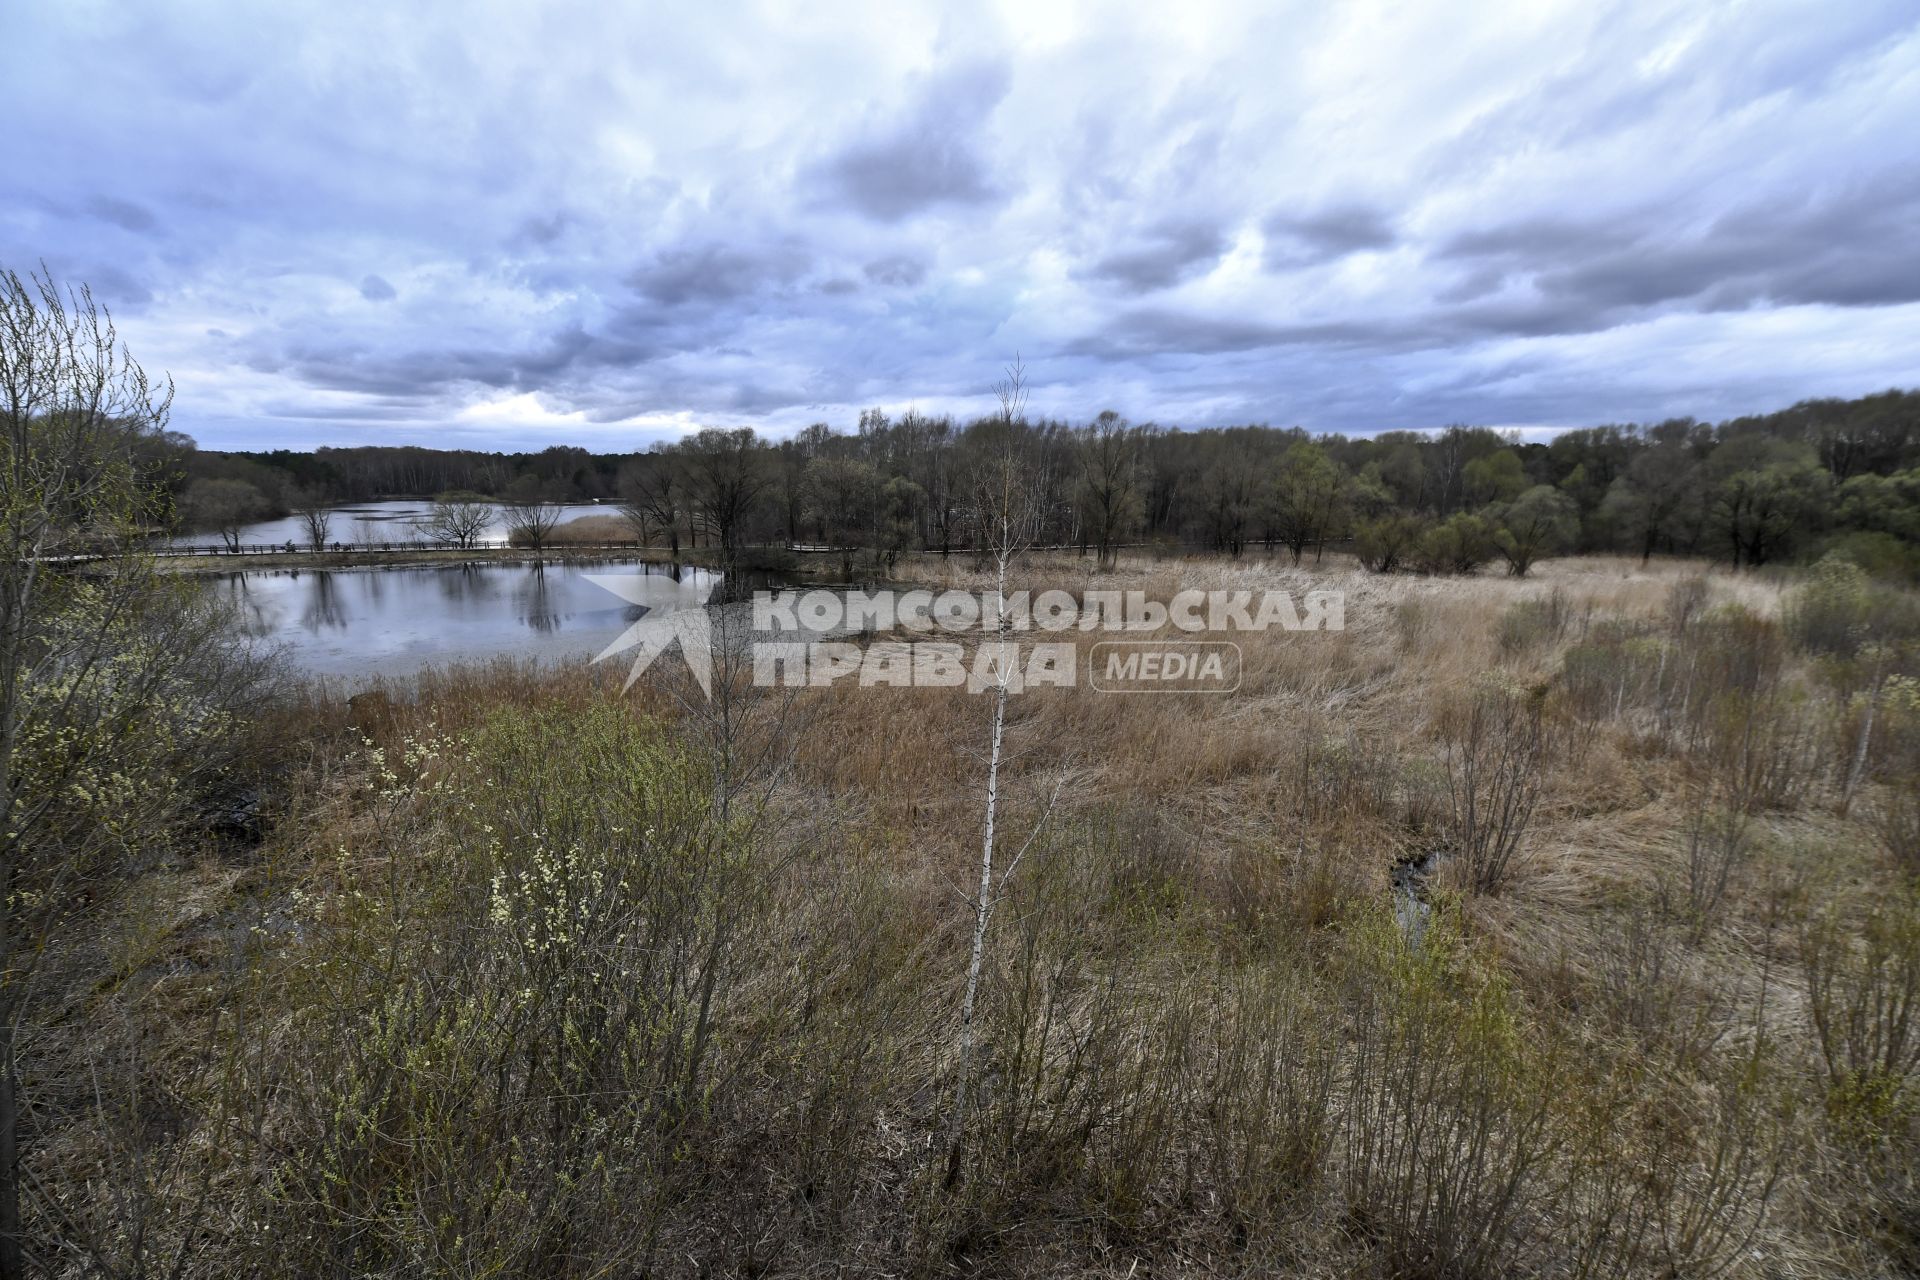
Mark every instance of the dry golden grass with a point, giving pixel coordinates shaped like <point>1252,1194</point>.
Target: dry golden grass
<point>1207,846</point>
<point>1228,763</point>
<point>1607,844</point>
<point>592,529</point>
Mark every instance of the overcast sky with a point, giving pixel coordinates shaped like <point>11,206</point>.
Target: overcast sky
<point>522,224</point>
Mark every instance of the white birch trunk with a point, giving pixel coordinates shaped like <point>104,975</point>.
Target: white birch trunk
<point>983,902</point>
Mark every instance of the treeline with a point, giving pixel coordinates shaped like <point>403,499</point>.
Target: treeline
<point>1822,475</point>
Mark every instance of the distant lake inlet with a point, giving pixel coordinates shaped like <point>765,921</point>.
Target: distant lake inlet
<point>363,623</point>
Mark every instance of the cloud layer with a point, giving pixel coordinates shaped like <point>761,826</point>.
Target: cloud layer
<point>521,225</point>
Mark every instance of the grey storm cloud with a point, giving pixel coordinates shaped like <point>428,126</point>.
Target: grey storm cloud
<point>1151,331</point>
<point>1850,247</point>
<point>122,213</point>
<point>898,270</point>
<point>1534,239</point>
<point>718,272</point>
<point>545,229</point>
<point>382,373</point>
<point>638,223</point>
<point>1163,257</point>
<point>934,158</point>
<point>1301,239</point>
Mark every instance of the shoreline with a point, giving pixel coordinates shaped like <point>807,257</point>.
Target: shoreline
<point>209,565</point>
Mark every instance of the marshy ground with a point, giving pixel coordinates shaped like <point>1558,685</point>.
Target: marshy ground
<point>516,974</point>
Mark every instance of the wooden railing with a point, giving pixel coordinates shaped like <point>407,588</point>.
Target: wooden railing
<point>220,550</point>
<point>379,548</point>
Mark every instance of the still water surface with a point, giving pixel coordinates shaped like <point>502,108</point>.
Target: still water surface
<point>398,522</point>
<point>360,623</point>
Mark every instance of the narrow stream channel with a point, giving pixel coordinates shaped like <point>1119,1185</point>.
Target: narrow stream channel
<point>1410,905</point>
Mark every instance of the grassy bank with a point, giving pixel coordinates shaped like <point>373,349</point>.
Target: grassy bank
<point>515,974</point>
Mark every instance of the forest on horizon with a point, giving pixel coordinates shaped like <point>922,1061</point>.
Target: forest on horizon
<point>1821,475</point>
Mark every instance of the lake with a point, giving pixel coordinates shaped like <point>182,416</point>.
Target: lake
<point>395,521</point>
<point>358,623</point>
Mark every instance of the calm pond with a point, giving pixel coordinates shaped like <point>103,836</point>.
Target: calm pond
<point>360,623</point>
<point>396,522</point>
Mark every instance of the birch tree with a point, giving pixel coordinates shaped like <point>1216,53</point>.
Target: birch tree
<point>1008,511</point>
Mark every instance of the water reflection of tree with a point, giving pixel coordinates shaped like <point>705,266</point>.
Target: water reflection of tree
<point>324,607</point>
<point>466,583</point>
<point>534,595</point>
<point>249,611</point>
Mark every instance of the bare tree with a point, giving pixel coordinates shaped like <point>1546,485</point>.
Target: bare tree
<point>1229,491</point>
<point>458,520</point>
<point>531,515</point>
<point>1109,456</point>
<point>653,499</point>
<point>943,502</point>
<point>725,479</point>
<point>843,497</point>
<point>316,519</point>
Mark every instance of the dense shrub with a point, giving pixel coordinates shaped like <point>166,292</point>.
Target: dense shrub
<point>1450,1128</point>
<point>1388,543</point>
<point>1839,610</point>
<point>541,1007</point>
<point>1459,544</point>
<point>1863,999</point>
<point>1829,613</point>
<point>1880,554</point>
